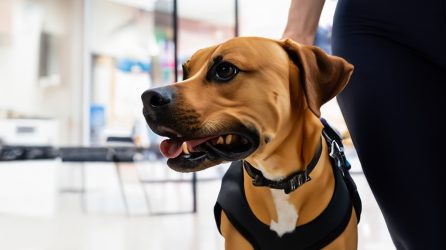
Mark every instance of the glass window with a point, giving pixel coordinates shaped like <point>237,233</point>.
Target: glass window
<point>214,23</point>
<point>132,49</point>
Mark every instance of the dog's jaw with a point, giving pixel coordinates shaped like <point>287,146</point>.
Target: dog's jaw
<point>194,150</point>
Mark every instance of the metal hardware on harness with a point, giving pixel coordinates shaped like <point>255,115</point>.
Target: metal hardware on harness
<point>336,148</point>
<point>336,153</point>
<point>338,156</point>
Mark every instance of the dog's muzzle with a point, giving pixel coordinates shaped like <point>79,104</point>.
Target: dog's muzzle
<point>191,145</point>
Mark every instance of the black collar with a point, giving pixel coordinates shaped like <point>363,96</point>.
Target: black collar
<point>291,182</point>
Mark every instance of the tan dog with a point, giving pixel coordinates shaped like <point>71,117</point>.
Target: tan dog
<point>257,100</point>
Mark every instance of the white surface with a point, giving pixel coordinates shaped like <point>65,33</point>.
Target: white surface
<point>28,190</point>
<point>29,132</point>
<point>20,90</point>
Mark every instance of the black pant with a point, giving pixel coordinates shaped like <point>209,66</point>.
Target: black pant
<point>394,105</point>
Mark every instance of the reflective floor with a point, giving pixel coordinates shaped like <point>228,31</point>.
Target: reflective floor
<point>43,207</point>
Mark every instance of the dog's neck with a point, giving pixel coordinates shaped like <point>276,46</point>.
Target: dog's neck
<point>290,150</point>
<point>284,155</point>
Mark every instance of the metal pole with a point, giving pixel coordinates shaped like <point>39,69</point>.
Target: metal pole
<point>236,11</point>
<point>194,192</point>
<point>175,38</point>
<point>86,73</point>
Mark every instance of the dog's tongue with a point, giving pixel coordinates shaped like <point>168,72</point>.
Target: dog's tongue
<point>172,149</point>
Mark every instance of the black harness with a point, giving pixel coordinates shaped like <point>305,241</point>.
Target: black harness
<point>312,235</point>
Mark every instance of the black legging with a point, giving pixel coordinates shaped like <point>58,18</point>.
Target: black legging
<point>394,105</point>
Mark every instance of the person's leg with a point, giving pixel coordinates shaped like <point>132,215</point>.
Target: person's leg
<point>393,107</point>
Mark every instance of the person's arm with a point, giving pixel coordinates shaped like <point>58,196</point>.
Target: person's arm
<point>303,18</point>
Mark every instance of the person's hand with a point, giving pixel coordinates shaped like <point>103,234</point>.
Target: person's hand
<point>303,39</point>
<point>303,18</point>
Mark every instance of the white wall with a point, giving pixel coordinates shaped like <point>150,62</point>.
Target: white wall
<point>18,59</point>
<point>20,90</point>
<point>268,18</point>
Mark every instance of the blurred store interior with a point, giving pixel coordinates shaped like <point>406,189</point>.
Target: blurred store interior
<point>79,168</point>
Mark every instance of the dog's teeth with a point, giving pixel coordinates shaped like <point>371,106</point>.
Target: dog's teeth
<point>220,140</point>
<point>185,149</point>
<point>228,139</point>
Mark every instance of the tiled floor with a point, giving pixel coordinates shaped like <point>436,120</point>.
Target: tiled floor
<point>41,208</point>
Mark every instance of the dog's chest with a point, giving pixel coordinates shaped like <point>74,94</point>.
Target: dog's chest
<point>286,213</point>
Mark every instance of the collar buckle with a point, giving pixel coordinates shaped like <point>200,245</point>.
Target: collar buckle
<point>297,181</point>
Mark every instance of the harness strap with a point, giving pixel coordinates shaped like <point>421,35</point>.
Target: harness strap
<point>338,159</point>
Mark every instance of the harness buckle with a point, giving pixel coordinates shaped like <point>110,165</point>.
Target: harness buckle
<point>338,155</point>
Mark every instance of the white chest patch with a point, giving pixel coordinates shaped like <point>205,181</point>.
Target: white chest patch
<point>286,213</point>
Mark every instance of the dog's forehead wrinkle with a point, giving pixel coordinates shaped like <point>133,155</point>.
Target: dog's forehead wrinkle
<point>217,58</point>
<point>200,58</point>
<point>238,59</point>
<point>244,54</point>
<point>251,56</point>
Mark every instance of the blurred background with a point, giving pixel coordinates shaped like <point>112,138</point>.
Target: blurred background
<point>79,169</point>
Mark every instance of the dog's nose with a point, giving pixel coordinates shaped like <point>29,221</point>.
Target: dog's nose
<point>156,98</point>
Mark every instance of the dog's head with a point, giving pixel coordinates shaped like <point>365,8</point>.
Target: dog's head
<point>236,96</point>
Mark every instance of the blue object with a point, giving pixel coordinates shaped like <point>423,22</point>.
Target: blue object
<point>128,65</point>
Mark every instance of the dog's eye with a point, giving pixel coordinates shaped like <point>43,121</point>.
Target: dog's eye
<point>224,72</point>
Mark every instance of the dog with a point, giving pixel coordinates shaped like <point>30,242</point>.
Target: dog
<point>256,102</point>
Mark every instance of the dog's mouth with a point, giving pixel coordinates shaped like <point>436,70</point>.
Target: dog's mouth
<point>194,154</point>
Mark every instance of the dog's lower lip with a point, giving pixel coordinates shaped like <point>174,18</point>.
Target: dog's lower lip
<point>185,163</point>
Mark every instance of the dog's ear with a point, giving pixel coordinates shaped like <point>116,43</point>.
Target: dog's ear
<point>323,76</point>
<point>186,69</point>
